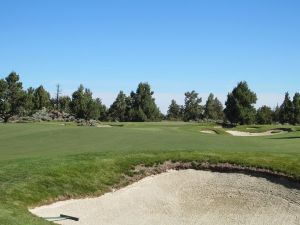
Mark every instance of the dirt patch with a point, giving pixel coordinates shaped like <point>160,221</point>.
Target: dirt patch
<point>249,134</point>
<point>186,197</point>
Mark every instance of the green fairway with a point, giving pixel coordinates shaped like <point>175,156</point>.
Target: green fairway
<point>42,162</point>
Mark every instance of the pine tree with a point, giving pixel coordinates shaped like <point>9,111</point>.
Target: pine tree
<point>264,115</point>
<point>12,97</point>
<point>213,109</point>
<point>239,105</point>
<point>117,110</point>
<point>174,111</point>
<point>64,103</point>
<point>41,98</point>
<point>192,108</point>
<point>286,114</point>
<point>83,105</point>
<point>296,104</point>
<point>275,114</point>
<point>29,101</point>
<point>143,104</point>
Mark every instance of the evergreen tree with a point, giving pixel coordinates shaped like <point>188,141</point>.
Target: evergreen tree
<point>275,114</point>
<point>264,115</point>
<point>12,97</point>
<point>296,104</point>
<point>213,108</point>
<point>29,101</point>
<point>239,105</point>
<point>81,100</point>
<point>64,103</point>
<point>174,111</point>
<point>94,108</point>
<point>192,109</point>
<point>144,107</point>
<point>101,108</point>
<point>83,105</point>
<point>117,110</point>
<point>139,115</point>
<point>41,98</point>
<point>129,112</point>
<point>286,114</point>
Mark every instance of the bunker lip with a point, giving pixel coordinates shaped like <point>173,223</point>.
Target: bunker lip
<point>208,131</point>
<point>141,171</point>
<point>233,197</point>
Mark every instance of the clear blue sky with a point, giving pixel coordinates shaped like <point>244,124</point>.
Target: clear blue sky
<point>176,46</point>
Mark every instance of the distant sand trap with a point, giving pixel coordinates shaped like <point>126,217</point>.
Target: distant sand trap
<point>186,197</point>
<point>103,125</point>
<point>208,132</point>
<point>247,134</point>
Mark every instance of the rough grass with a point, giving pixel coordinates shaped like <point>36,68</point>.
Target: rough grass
<point>40,163</point>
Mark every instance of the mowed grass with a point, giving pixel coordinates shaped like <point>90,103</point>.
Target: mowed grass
<point>42,162</point>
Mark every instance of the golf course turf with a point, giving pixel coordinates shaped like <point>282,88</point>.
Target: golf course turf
<point>44,162</point>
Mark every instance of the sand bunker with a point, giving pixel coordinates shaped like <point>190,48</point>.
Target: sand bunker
<point>186,197</point>
<point>208,131</point>
<point>247,134</point>
<point>103,125</point>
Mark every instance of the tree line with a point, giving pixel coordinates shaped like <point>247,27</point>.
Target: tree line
<point>239,108</point>
<point>140,105</point>
<point>15,101</point>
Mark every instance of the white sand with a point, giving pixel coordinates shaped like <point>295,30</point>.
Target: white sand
<point>247,134</point>
<point>103,125</point>
<point>208,131</point>
<point>186,197</point>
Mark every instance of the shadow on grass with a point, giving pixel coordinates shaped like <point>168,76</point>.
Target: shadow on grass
<point>280,138</point>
